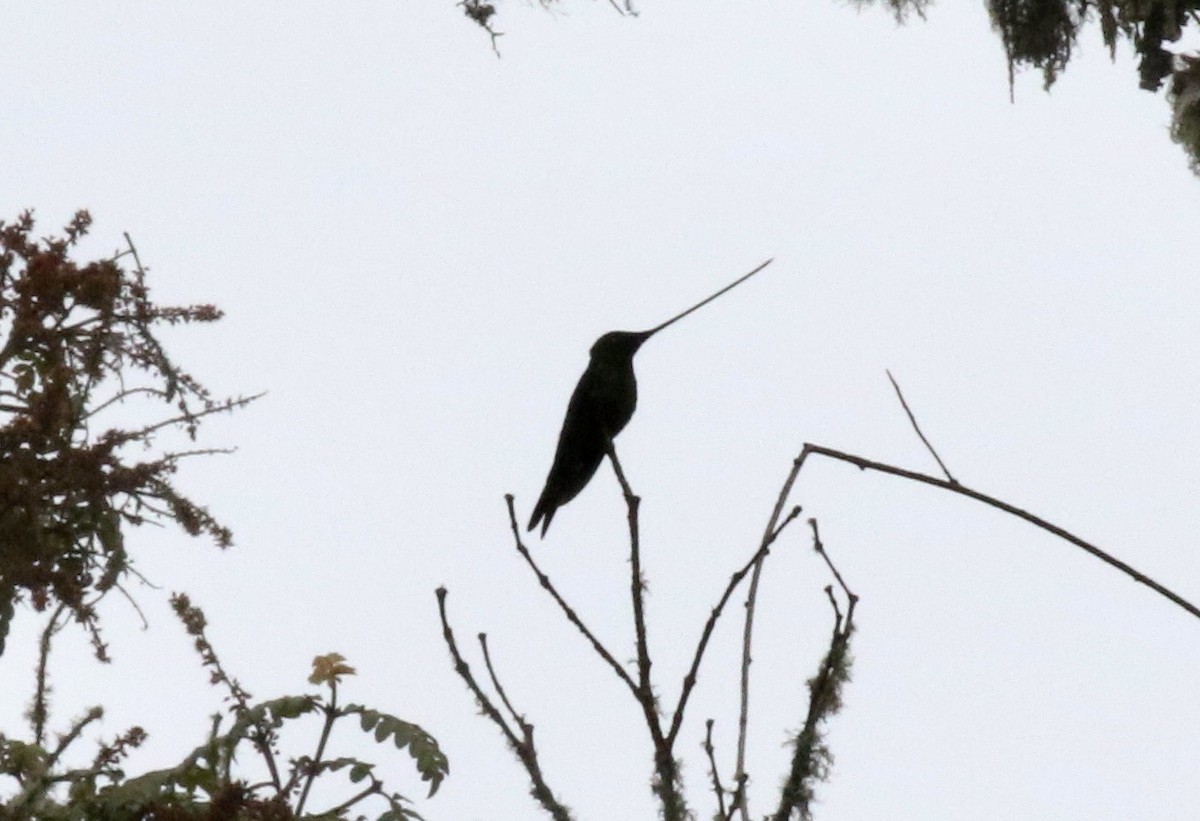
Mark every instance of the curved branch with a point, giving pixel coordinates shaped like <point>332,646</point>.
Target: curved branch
<point>954,487</point>
<point>569,611</point>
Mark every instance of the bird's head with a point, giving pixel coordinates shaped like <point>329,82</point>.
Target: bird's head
<point>618,345</point>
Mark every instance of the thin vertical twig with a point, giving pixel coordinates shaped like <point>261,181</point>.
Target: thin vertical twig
<point>39,709</point>
<point>819,548</point>
<point>713,772</point>
<point>487,660</point>
<point>917,428</point>
<point>331,714</point>
<point>689,680</point>
<point>740,774</point>
<point>637,584</point>
<point>811,756</point>
<point>666,783</point>
<point>522,746</point>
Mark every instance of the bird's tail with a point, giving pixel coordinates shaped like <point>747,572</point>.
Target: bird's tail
<point>542,512</point>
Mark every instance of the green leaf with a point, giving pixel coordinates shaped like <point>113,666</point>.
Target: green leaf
<point>269,715</point>
<point>360,771</point>
<point>432,763</point>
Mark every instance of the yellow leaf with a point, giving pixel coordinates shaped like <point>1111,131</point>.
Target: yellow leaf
<point>329,669</point>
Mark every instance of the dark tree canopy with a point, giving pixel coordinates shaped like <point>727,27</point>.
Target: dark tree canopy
<point>1042,33</point>
<point>95,417</point>
<point>78,350</point>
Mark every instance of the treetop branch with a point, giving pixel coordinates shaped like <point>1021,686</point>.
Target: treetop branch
<point>955,487</point>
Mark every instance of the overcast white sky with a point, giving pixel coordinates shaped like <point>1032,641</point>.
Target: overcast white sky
<point>416,244</point>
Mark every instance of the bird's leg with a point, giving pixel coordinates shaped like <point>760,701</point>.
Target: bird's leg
<point>611,449</point>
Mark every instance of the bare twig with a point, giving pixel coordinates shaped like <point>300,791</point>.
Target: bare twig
<point>666,782</point>
<point>262,736</point>
<point>35,787</point>
<point>837,609</point>
<point>868,464</point>
<point>482,12</point>
<point>522,747</point>
<point>137,261</point>
<point>769,534</point>
<point>518,718</point>
<point>122,395</point>
<point>811,757</point>
<point>917,428</point>
<point>331,714</point>
<point>188,417</point>
<point>819,547</point>
<point>487,660</point>
<point>637,584</point>
<point>569,611</point>
<point>39,709</point>
<point>133,602</point>
<point>713,772</point>
<point>689,680</point>
<point>737,800</point>
<point>375,787</point>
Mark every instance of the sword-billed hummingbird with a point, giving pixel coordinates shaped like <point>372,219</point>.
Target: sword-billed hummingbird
<point>600,407</point>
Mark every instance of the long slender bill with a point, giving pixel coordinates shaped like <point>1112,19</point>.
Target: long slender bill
<point>701,304</point>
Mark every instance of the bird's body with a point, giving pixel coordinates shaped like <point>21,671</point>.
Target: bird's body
<point>600,408</point>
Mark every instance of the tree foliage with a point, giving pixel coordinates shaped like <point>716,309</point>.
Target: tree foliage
<point>209,783</point>
<point>92,411</point>
<point>80,343</point>
<point>1041,34</point>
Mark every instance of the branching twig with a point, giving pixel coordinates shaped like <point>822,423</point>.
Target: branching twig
<point>187,417</point>
<point>689,681</point>
<point>868,464</point>
<point>262,737</point>
<point>375,787</point>
<point>917,428</point>
<point>819,548</point>
<point>122,395</point>
<point>569,611</point>
<point>737,800</point>
<point>39,710</point>
<point>637,584</point>
<point>36,787</point>
<point>526,729</point>
<point>137,608</point>
<point>666,782</point>
<point>811,758</point>
<point>482,14</point>
<point>713,772</point>
<point>769,534</point>
<point>522,747</point>
<point>331,715</point>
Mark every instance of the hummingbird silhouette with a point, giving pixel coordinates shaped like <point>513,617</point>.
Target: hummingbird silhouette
<point>601,406</point>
